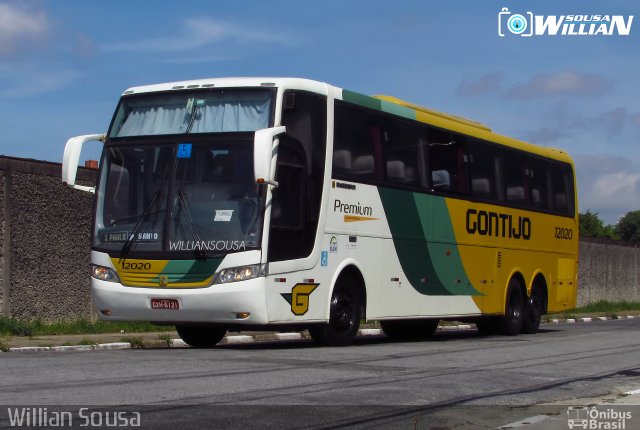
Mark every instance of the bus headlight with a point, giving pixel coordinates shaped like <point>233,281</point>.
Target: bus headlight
<point>241,273</point>
<point>104,273</point>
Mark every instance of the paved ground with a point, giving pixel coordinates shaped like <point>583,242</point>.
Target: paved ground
<point>457,380</point>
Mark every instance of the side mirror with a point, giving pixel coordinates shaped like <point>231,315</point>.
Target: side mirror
<point>264,152</point>
<point>71,159</point>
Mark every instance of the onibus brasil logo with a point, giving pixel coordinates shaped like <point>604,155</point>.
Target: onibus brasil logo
<point>529,24</point>
<point>583,417</point>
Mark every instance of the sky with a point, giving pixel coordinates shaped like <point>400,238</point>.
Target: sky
<point>64,64</point>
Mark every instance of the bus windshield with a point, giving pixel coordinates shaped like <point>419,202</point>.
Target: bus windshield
<point>184,198</point>
<point>212,111</point>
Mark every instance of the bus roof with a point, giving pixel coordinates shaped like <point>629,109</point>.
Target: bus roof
<point>383,103</point>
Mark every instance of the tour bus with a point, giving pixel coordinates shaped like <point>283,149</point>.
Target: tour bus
<point>290,204</point>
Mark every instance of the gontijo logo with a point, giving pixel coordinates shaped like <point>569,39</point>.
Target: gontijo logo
<point>529,24</point>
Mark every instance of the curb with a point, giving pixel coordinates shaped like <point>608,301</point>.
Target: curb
<point>73,348</point>
<point>246,339</point>
<point>590,319</point>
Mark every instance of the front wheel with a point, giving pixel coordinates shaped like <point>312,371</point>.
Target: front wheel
<point>344,317</point>
<point>200,336</point>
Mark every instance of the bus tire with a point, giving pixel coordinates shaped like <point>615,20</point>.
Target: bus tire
<point>345,313</point>
<point>200,336</point>
<point>409,329</point>
<point>511,322</point>
<point>533,311</point>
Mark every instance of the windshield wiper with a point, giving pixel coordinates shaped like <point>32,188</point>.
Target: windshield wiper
<point>126,248</point>
<point>200,254</point>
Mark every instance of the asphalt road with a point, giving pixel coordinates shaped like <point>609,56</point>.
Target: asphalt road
<point>457,380</point>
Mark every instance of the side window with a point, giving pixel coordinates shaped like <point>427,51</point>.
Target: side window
<point>516,178</point>
<point>404,153</point>
<point>540,196</point>
<point>447,161</point>
<point>358,145</point>
<point>483,168</point>
<point>562,183</point>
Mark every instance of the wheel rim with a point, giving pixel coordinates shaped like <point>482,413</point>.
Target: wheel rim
<point>342,312</point>
<point>535,306</point>
<point>515,306</point>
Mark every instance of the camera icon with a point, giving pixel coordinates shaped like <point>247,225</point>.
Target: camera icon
<point>516,23</point>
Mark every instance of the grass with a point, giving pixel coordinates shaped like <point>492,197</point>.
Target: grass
<point>4,347</point>
<point>13,327</point>
<point>608,307</point>
<point>166,338</point>
<point>601,308</point>
<point>136,342</point>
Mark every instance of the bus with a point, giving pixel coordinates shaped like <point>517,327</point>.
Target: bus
<point>290,204</point>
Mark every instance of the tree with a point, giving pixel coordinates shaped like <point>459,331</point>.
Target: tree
<point>628,228</point>
<point>591,225</point>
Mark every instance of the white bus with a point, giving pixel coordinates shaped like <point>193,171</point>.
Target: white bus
<point>271,203</point>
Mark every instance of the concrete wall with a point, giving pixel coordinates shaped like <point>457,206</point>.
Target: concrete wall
<point>608,270</point>
<point>46,229</point>
<point>44,242</point>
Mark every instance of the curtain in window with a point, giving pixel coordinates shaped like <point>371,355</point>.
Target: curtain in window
<point>222,113</point>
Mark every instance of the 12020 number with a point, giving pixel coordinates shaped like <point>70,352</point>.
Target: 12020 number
<point>564,233</point>
<point>127,265</point>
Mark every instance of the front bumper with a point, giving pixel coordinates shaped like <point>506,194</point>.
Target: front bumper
<point>218,304</point>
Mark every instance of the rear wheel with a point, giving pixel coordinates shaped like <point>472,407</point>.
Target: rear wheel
<point>511,322</point>
<point>409,329</point>
<point>533,311</point>
<point>200,336</point>
<point>344,317</point>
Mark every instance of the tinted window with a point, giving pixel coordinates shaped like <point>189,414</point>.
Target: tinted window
<point>447,161</point>
<point>483,166</point>
<point>516,177</point>
<point>562,185</point>
<point>357,143</point>
<point>405,150</point>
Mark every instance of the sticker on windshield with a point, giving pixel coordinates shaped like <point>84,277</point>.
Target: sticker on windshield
<point>223,215</point>
<point>116,236</point>
<point>184,150</point>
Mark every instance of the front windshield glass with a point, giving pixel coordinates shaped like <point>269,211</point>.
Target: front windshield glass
<point>191,198</point>
<point>212,111</point>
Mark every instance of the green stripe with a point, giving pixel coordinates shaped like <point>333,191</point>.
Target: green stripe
<point>184,271</point>
<point>432,268</point>
<point>377,104</point>
<point>361,99</point>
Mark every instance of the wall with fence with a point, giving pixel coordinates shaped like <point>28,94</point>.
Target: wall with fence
<point>44,242</point>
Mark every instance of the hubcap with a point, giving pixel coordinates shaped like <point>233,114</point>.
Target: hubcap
<point>514,305</point>
<point>535,305</point>
<point>342,312</point>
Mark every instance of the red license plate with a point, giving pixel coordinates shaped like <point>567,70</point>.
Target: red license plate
<point>172,304</point>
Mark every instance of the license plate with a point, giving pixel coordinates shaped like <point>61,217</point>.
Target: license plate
<point>172,304</point>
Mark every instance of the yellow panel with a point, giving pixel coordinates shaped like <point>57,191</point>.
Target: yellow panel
<point>566,268</point>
